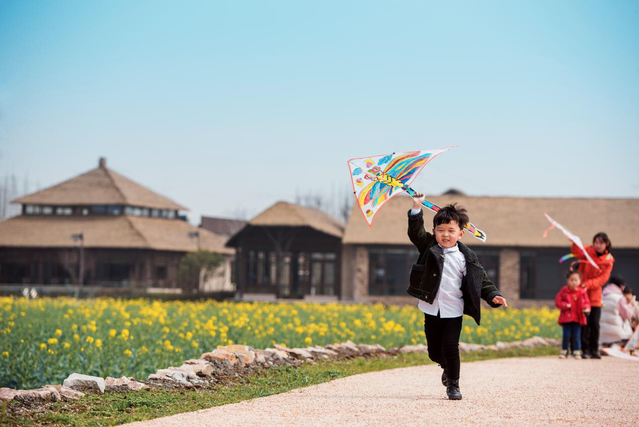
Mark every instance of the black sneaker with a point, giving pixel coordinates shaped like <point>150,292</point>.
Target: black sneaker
<point>452,390</point>
<point>444,378</point>
<point>595,355</point>
<point>586,355</point>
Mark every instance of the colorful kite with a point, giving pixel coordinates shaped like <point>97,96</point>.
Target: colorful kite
<point>376,179</point>
<point>575,239</point>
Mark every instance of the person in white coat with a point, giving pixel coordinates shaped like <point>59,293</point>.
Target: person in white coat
<point>615,314</point>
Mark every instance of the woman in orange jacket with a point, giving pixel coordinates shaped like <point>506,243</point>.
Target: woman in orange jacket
<point>593,280</point>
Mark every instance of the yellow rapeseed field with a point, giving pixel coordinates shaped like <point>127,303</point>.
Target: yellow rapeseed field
<point>42,341</point>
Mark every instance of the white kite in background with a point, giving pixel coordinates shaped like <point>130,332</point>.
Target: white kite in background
<point>575,239</point>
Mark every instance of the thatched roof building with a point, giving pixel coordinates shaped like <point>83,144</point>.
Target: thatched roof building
<point>289,251</point>
<point>128,235</point>
<point>518,258</point>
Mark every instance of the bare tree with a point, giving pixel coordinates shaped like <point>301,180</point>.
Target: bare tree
<point>337,204</point>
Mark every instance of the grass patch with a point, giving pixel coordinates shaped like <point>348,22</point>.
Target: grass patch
<point>119,408</point>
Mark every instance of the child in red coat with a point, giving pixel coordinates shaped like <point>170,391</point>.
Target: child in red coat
<point>573,302</point>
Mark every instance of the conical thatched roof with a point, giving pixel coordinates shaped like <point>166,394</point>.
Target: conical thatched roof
<point>284,214</point>
<point>100,186</point>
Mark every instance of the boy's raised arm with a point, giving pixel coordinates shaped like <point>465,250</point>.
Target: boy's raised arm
<point>416,232</point>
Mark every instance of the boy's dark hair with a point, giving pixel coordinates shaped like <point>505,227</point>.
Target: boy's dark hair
<point>571,272</point>
<point>628,290</point>
<point>450,213</point>
<point>604,238</point>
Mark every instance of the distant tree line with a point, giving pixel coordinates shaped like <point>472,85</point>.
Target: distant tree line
<point>10,190</point>
<point>338,203</point>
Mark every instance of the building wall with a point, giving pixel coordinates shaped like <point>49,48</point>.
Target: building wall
<point>221,279</point>
<point>538,266</point>
<point>509,275</point>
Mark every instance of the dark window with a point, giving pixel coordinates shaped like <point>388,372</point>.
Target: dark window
<point>115,210</point>
<point>627,266</point>
<point>489,259</point>
<point>251,271</point>
<point>541,274</point>
<point>389,269</point>
<point>285,275</point>
<point>14,273</point>
<point>113,273</point>
<point>160,272</point>
<point>322,273</point>
<point>98,209</point>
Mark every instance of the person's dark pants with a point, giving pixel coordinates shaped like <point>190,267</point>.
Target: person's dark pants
<point>442,337</point>
<point>590,332</point>
<point>572,336</point>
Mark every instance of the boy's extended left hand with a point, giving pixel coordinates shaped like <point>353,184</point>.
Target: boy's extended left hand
<point>500,300</point>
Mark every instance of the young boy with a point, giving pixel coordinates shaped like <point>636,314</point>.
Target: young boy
<point>448,280</point>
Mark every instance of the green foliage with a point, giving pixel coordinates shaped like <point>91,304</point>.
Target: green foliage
<point>195,264</point>
<point>44,340</point>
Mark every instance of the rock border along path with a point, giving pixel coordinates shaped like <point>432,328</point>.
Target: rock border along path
<point>498,392</point>
<point>234,360</point>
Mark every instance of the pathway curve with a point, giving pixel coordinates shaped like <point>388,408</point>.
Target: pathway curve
<point>501,392</point>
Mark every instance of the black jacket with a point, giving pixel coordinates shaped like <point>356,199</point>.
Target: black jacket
<point>425,275</point>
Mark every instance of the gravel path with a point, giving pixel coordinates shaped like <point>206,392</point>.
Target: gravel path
<point>502,392</point>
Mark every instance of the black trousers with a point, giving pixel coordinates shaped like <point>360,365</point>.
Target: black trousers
<point>590,331</point>
<point>442,337</point>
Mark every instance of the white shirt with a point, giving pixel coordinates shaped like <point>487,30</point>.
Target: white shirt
<point>449,300</point>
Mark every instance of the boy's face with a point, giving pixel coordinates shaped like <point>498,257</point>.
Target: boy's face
<point>448,234</point>
<point>574,281</point>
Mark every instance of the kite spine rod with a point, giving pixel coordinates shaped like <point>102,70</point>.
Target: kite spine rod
<point>476,232</point>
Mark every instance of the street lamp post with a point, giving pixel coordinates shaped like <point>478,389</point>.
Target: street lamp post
<point>80,238</point>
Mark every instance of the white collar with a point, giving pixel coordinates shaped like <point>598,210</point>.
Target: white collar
<point>450,250</point>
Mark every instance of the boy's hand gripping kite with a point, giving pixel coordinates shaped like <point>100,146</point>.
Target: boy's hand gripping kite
<point>376,179</point>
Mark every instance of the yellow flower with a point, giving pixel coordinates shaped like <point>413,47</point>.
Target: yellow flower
<point>52,341</point>
<point>128,352</point>
<point>66,345</point>
<point>5,353</point>
<point>113,333</point>
<point>43,346</point>
<point>98,343</point>
<point>194,344</point>
<point>58,332</point>
<point>76,337</point>
<point>125,334</point>
<point>308,340</point>
<point>89,339</point>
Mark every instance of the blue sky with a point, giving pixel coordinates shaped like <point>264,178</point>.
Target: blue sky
<point>231,106</point>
